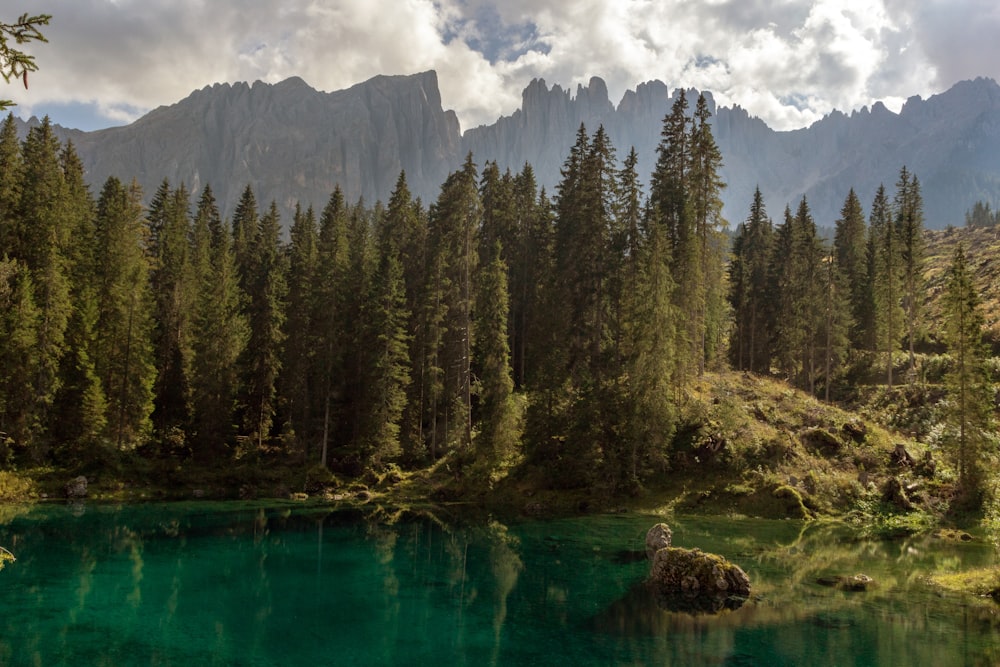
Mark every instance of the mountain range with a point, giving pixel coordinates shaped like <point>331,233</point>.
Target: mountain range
<point>292,143</point>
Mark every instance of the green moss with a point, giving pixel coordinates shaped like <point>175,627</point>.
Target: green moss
<point>981,582</point>
<point>794,505</point>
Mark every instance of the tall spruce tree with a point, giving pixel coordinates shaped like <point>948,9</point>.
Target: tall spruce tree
<point>123,354</point>
<point>80,413</point>
<point>174,291</point>
<point>909,225</point>
<point>41,240</point>
<point>455,219</point>
<point>220,333</point>
<point>750,296</point>
<point>386,369</point>
<point>709,316</point>
<point>19,325</point>
<point>265,312</point>
<point>330,321</point>
<point>407,230</point>
<point>11,175</point>
<point>498,428</point>
<point>886,279</point>
<point>850,245</point>
<point>969,410</point>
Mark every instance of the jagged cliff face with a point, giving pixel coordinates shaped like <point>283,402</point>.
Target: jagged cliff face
<point>289,141</point>
<point>295,144</point>
<point>950,141</point>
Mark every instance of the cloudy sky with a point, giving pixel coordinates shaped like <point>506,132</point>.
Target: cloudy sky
<point>787,61</point>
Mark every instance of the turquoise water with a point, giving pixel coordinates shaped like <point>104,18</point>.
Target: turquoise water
<point>249,584</point>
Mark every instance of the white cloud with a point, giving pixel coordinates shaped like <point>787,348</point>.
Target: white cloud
<point>789,62</point>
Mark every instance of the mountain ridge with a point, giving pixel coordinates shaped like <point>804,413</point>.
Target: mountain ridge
<point>293,143</point>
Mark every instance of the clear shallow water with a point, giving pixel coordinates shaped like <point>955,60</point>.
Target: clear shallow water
<point>244,584</point>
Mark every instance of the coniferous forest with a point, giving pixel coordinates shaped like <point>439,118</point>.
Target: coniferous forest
<point>496,326</point>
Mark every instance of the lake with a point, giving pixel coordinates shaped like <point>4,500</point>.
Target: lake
<point>284,584</point>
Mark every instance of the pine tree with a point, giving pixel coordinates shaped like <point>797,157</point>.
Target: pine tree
<point>407,231</point>
<point>261,361</point>
<point>455,218</point>
<point>529,255</point>
<point>300,333</point>
<point>671,205</point>
<point>850,245</point>
<point>41,239</point>
<point>499,432</point>
<point>11,175</point>
<point>886,279</point>
<point>19,325</point>
<point>220,332</point>
<point>330,319</point>
<point>909,224</point>
<point>245,225</point>
<point>80,411</point>
<point>750,296</point>
<point>836,323</point>
<point>706,186</point>
<point>386,371</point>
<point>174,293</point>
<point>970,405</point>
<point>797,281</point>
<point>123,355</point>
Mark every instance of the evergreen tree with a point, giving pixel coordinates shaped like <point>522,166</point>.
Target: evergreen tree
<point>174,292</point>
<point>529,255</point>
<point>80,412</point>
<point>261,361</point>
<point>671,206</point>
<point>836,323</point>
<point>799,289</point>
<point>455,219</point>
<point>330,319</point>
<point>499,432</point>
<point>11,176</point>
<point>750,297</point>
<point>220,332</point>
<point>300,332</point>
<point>970,405</point>
<point>386,371</point>
<point>41,238</point>
<point>19,325</point>
<point>909,224</point>
<point>710,316</point>
<point>245,226</point>
<point>648,423</point>
<point>407,232</point>
<point>123,355</point>
<point>886,279</point>
<point>850,246</point>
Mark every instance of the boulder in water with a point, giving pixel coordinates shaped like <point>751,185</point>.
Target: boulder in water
<point>692,572</point>
<point>77,487</point>
<point>658,537</point>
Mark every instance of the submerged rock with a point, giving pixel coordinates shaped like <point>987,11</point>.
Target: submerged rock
<point>854,582</point>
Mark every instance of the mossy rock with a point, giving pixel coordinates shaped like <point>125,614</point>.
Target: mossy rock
<point>794,505</point>
<point>853,582</point>
<point>692,572</point>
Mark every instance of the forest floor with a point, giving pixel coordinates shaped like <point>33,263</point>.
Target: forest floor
<point>747,446</point>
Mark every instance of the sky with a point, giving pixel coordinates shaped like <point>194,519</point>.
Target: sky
<point>789,62</point>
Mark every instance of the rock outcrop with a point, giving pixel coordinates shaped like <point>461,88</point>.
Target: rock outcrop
<point>292,143</point>
<point>658,537</point>
<point>77,488</point>
<point>691,580</point>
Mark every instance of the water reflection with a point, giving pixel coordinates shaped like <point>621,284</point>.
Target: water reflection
<point>255,584</point>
